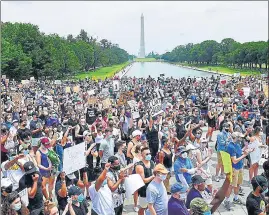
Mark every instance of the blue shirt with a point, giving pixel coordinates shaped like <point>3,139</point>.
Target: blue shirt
<point>183,163</point>
<point>176,206</point>
<point>156,194</point>
<point>235,151</point>
<point>222,141</point>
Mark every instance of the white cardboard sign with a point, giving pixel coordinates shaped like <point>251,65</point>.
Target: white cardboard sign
<point>133,183</point>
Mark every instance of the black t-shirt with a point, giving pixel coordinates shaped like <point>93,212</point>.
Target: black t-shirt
<point>181,131</point>
<point>62,202</point>
<point>23,133</point>
<point>255,205</point>
<point>91,115</point>
<point>37,201</point>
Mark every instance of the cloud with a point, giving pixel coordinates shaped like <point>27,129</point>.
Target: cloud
<point>167,24</point>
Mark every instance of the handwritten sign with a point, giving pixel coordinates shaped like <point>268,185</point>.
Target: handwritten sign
<point>106,103</point>
<point>74,158</point>
<point>155,107</point>
<point>265,90</point>
<point>67,90</point>
<point>76,89</point>
<point>92,100</point>
<point>116,85</point>
<point>24,197</point>
<point>134,109</point>
<point>132,184</point>
<point>57,82</point>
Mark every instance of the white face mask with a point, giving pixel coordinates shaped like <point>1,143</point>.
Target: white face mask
<point>184,155</point>
<point>183,196</point>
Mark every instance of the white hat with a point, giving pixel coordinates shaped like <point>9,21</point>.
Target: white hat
<point>190,147</point>
<point>136,133</point>
<point>237,134</point>
<point>85,133</point>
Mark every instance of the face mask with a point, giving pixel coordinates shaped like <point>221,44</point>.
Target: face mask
<point>227,130</point>
<point>165,128</point>
<point>184,155</point>
<point>148,157</point>
<point>198,136</point>
<point>17,206</point>
<point>183,196</point>
<point>265,191</point>
<point>11,158</point>
<point>117,168</point>
<point>162,177</point>
<point>80,198</point>
<point>25,152</point>
<point>207,213</point>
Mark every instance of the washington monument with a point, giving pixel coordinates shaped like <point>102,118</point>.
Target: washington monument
<point>142,39</point>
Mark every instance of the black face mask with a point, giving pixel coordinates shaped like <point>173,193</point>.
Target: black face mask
<point>117,168</point>
<point>227,130</point>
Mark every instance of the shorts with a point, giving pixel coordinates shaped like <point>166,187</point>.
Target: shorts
<point>35,141</point>
<point>237,177</point>
<point>219,158</point>
<point>142,202</point>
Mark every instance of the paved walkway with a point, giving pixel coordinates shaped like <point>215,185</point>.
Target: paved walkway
<point>236,209</point>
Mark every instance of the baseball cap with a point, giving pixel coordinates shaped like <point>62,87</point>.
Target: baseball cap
<point>160,168</point>
<point>29,168</point>
<point>199,206</point>
<point>240,118</point>
<point>15,120</point>
<point>86,133</point>
<point>74,190</point>
<point>190,147</point>
<point>45,141</point>
<point>181,149</point>
<point>261,181</point>
<point>237,134</point>
<point>177,187</point>
<point>197,179</point>
<point>136,133</point>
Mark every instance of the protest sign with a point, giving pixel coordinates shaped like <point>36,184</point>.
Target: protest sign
<point>246,91</point>
<point>76,89</point>
<point>67,89</point>
<point>237,74</point>
<point>4,76</point>
<point>74,158</point>
<point>57,82</point>
<point>92,100</point>
<point>24,197</point>
<point>265,90</point>
<point>155,107</point>
<point>105,91</point>
<point>116,85</point>
<point>239,86</point>
<point>91,92</point>
<point>134,108</point>
<point>106,103</point>
<point>132,183</point>
<point>32,78</point>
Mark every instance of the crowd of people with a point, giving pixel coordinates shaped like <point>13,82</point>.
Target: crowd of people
<point>166,131</point>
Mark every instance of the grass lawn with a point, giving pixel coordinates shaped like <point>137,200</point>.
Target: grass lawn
<point>102,73</point>
<point>144,59</point>
<point>226,70</point>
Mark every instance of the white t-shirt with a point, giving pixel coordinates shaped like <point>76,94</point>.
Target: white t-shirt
<point>102,201</point>
<point>14,173</point>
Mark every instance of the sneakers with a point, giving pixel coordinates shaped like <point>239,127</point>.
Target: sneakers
<point>217,178</point>
<point>222,176</point>
<point>136,209</point>
<point>241,192</point>
<point>238,202</point>
<point>227,205</point>
<point>124,210</point>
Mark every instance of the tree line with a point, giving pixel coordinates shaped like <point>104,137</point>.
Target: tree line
<point>251,55</point>
<point>28,52</point>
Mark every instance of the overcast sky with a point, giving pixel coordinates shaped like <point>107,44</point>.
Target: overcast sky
<point>167,24</point>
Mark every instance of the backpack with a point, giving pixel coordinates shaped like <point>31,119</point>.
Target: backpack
<point>54,158</point>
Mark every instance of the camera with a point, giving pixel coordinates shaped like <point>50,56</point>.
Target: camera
<point>121,190</point>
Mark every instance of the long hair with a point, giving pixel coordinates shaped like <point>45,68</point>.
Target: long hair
<point>6,207</point>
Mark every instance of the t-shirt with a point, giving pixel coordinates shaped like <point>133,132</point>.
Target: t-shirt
<point>193,193</point>
<point>156,194</point>
<point>176,206</point>
<point>235,151</point>
<point>62,202</point>
<point>107,146</point>
<point>81,210</point>
<point>34,125</point>
<point>255,204</point>
<point>14,173</point>
<point>37,201</point>
<point>102,201</point>
<point>117,198</point>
